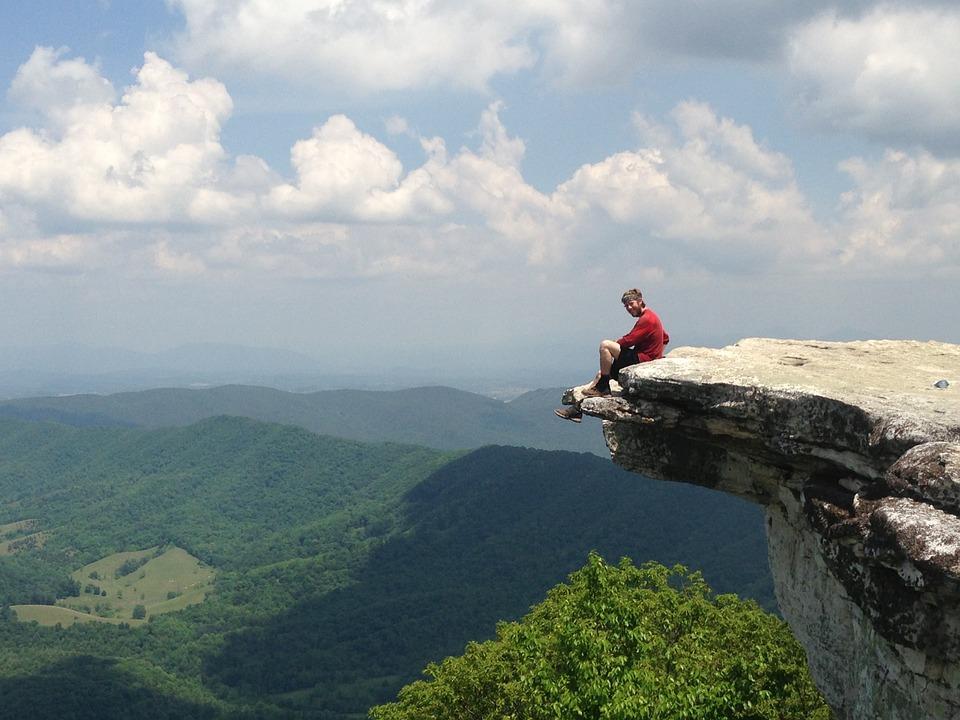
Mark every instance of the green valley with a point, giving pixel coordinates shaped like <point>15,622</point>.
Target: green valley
<point>341,568</point>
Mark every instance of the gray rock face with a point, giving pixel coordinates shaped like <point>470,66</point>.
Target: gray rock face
<point>854,450</point>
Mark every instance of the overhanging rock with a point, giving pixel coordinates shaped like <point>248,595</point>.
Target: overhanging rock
<point>854,450</point>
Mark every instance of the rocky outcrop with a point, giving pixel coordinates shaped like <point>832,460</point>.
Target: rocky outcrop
<point>854,450</point>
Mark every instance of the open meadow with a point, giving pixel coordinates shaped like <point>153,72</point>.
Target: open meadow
<point>128,587</point>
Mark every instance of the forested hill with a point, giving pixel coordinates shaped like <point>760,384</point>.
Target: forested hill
<point>437,417</point>
<point>209,487</point>
<point>342,567</point>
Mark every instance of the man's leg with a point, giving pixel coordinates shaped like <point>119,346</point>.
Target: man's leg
<point>609,352</point>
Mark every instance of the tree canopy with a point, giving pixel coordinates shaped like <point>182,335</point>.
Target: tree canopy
<point>624,643</point>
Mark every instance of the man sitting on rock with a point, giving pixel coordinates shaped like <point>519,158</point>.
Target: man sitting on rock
<point>643,343</point>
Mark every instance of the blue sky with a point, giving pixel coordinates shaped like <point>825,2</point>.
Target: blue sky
<point>432,183</point>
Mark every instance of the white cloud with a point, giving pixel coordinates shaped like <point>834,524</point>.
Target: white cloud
<point>731,144</point>
<point>154,159</point>
<point>706,193</point>
<point>149,183</point>
<point>711,193</point>
<point>891,74</point>
<point>54,253</point>
<point>142,160</point>
<point>24,247</point>
<point>904,212</point>
<point>55,86</point>
<point>340,171</point>
<point>368,46</point>
<point>489,184</point>
<point>582,42</point>
<point>345,174</point>
<point>360,45</point>
<point>497,145</point>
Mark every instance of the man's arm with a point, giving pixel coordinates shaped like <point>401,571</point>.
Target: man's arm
<point>640,330</point>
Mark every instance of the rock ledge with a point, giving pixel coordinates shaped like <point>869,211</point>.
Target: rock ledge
<point>855,453</point>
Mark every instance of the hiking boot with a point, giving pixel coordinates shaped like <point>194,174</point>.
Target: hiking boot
<point>571,413</point>
<point>598,391</point>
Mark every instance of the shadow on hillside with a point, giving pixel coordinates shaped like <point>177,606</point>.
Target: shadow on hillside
<point>491,533</point>
<point>88,687</point>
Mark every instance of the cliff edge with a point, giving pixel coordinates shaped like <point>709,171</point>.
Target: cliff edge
<point>854,450</point>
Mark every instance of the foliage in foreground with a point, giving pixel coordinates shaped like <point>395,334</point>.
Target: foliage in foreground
<point>624,643</point>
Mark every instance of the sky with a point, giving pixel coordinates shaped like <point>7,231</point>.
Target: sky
<point>471,184</point>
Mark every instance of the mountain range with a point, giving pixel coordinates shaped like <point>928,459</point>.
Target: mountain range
<point>72,369</point>
<point>342,567</point>
<point>437,417</point>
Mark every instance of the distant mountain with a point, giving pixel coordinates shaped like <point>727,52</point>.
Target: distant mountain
<point>343,567</point>
<point>71,369</point>
<point>68,369</point>
<point>437,417</point>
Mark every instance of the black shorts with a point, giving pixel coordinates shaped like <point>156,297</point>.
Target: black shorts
<point>627,357</point>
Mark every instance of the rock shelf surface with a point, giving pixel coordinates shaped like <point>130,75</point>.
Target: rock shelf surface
<point>854,450</point>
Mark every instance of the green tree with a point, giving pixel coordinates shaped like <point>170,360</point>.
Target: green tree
<point>624,643</point>
<point>139,612</point>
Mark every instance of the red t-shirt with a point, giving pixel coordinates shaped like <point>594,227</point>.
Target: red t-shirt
<point>647,337</point>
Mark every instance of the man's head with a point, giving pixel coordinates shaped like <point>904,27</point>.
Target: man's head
<point>633,302</point>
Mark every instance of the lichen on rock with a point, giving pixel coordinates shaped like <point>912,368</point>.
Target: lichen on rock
<point>854,450</point>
